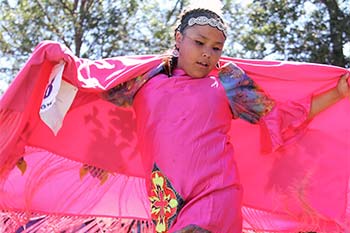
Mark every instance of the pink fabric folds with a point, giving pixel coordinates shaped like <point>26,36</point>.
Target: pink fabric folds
<point>303,185</point>
<point>25,95</point>
<point>95,145</point>
<point>92,167</point>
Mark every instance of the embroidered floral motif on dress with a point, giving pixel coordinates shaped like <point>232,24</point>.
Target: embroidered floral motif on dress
<point>165,201</point>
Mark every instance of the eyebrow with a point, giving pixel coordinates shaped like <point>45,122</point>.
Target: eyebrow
<point>206,38</point>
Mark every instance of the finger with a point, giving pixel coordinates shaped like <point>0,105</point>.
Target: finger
<point>346,77</point>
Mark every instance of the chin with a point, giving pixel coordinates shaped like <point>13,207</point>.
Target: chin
<point>199,74</point>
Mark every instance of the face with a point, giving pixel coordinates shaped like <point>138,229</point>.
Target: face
<point>200,48</point>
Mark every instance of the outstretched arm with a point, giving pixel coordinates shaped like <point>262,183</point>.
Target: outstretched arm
<point>328,98</point>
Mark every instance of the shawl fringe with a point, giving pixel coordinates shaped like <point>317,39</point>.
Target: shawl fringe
<point>21,222</point>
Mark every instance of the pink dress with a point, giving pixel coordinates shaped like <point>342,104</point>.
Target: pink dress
<point>183,125</point>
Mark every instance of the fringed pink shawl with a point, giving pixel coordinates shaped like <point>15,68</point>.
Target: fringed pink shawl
<point>68,158</point>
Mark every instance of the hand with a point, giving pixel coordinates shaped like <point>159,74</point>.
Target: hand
<point>343,86</point>
<point>331,96</point>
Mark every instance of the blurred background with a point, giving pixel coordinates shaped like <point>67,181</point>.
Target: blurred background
<point>315,31</point>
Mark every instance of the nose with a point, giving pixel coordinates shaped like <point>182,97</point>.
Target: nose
<point>206,53</point>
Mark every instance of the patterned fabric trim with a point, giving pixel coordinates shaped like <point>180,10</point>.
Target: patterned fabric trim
<point>123,94</point>
<point>22,165</point>
<point>247,100</point>
<point>39,223</point>
<point>166,203</point>
<point>192,229</point>
<point>95,172</point>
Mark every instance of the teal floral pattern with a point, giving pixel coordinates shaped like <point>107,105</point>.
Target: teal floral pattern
<point>247,100</point>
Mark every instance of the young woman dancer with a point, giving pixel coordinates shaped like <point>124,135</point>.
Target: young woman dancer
<point>59,178</point>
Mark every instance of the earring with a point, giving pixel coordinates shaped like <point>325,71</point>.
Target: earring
<point>175,52</point>
<point>218,65</point>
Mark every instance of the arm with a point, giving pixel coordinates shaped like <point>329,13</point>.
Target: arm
<point>328,98</point>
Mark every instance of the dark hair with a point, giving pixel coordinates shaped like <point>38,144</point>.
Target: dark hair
<point>187,15</point>
<point>171,62</point>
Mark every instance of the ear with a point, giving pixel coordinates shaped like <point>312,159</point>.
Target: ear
<point>178,39</point>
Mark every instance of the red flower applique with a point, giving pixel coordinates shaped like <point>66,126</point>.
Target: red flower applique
<point>165,201</point>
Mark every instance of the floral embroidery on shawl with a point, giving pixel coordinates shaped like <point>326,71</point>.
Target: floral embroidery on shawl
<point>247,100</point>
<point>95,172</point>
<point>22,165</point>
<point>165,201</point>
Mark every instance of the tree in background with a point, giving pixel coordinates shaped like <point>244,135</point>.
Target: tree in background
<point>90,28</point>
<point>300,30</point>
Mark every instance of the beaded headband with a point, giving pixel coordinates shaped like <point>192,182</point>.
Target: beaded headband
<point>203,20</point>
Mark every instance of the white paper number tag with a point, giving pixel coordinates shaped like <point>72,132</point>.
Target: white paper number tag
<point>53,87</point>
<point>58,98</point>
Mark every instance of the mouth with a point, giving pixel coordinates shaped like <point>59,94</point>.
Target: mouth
<point>203,64</point>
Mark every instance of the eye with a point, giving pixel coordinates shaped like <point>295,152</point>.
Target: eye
<point>217,49</point>
<point>199,42</point>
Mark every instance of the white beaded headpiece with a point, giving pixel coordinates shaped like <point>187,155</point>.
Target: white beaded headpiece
<point>203,20</point>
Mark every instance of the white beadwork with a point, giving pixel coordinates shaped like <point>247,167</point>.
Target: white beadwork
<point>203,20</point>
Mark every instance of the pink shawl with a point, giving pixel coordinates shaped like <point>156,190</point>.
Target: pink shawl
<point>303,185</point>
